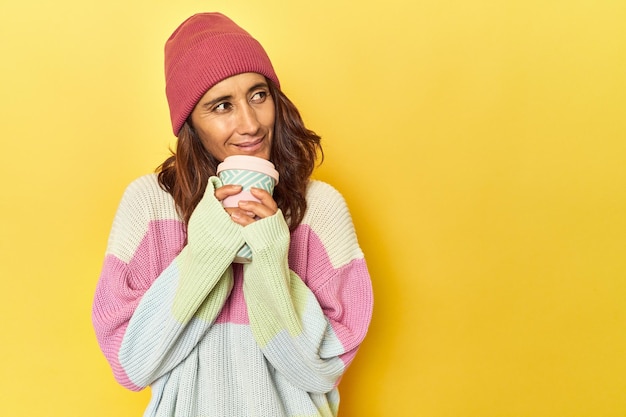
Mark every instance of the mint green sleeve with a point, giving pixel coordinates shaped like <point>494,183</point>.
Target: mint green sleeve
<point>286,319</point>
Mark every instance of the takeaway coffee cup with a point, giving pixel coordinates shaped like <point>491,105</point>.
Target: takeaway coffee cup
<point>249,172</point>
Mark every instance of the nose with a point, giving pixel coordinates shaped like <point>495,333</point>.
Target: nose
<point>247,120</point>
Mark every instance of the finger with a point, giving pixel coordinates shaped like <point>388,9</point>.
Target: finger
<point>265,198</point>
<point>240,217</point>
<point>227,190</point>
<point>259,209</point>
<point>231,210</point>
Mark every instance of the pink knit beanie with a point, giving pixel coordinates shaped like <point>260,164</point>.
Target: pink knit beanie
<point>204,50</point>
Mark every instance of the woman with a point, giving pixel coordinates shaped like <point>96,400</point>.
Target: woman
<point>172,311</point>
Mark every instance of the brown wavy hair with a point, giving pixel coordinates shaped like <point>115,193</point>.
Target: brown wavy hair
<point>295,150</point>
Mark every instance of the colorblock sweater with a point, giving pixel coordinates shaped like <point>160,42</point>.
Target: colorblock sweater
<point>211,338</point>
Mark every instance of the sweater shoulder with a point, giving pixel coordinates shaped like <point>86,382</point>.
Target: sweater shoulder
<point>329,218</point>
<point>320,193</point>
<point>143,203</point>
<point>145,197</point>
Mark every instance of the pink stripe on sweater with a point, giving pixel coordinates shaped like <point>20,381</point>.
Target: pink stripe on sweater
<point>114,304</point>
<point>235,310</point>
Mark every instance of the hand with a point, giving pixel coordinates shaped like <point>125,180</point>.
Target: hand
<point>248,211</point>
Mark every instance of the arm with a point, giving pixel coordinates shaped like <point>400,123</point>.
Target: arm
<point>152,305</point>
<point>309,324</point>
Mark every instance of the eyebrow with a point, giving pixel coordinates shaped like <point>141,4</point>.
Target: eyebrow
<point>216,100</point>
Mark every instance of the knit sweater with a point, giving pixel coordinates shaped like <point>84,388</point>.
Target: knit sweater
<point>211,338</point>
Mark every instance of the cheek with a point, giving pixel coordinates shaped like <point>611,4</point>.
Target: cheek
<point>269,118</point>
<point>213,133</point>
<point>211,143</point>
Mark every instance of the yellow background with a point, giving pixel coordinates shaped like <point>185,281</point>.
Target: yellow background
<point>481,146</point>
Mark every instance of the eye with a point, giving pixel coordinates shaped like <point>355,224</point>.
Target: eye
<point>259,97</point>
<point>222,107</point>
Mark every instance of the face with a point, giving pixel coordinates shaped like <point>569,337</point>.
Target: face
<point>236,117</point>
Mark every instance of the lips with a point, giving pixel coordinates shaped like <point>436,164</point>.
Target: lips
<point>249,145</point>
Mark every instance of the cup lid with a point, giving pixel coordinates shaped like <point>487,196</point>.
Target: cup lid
<point>252,163</point>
